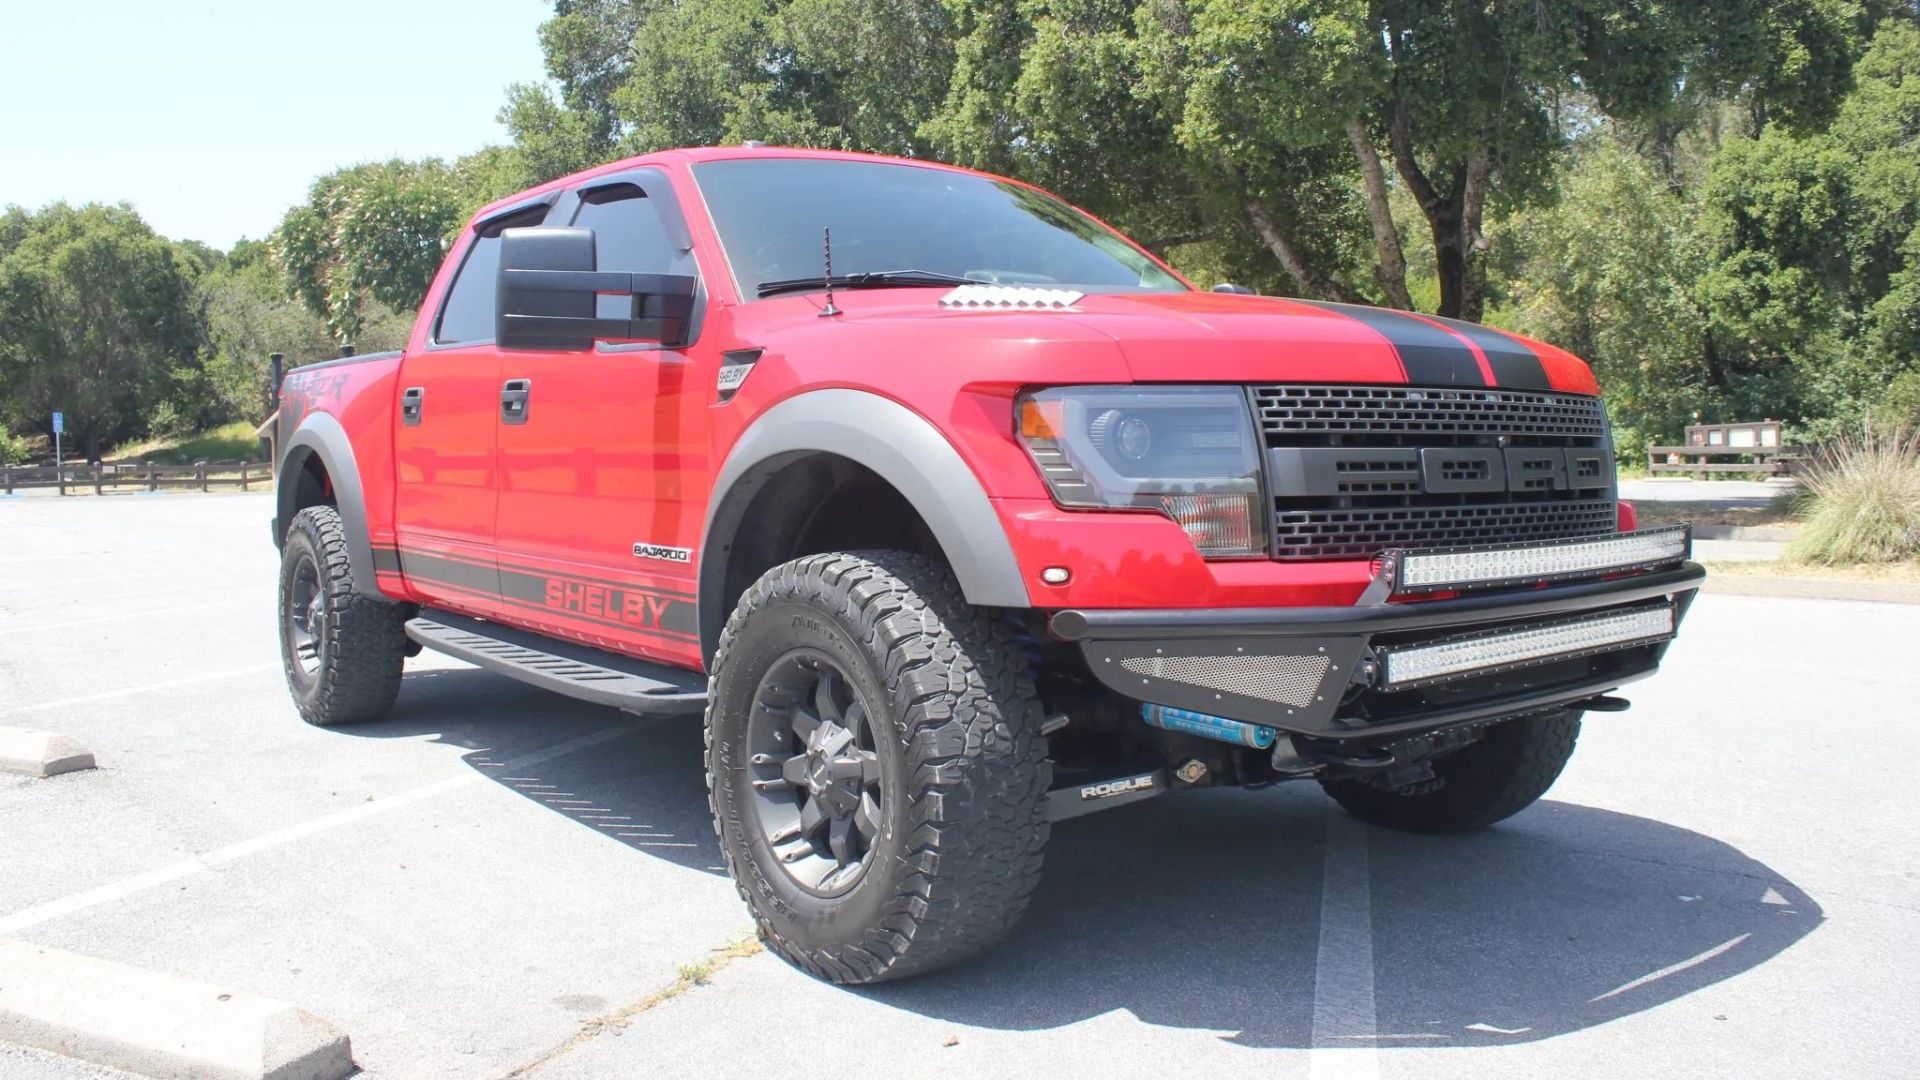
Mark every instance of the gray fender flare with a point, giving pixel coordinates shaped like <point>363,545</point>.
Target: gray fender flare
<point>320,435</point>
<point>898,445</point>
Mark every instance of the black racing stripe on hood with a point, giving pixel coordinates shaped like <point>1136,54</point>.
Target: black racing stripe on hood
<point>1432,356</point>
<point>1513,361</point>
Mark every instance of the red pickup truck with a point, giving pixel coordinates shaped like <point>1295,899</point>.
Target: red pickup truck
<point>957,513</point>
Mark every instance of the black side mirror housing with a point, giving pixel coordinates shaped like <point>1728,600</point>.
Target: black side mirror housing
<point>547,290</point>
<point>1237,290</point>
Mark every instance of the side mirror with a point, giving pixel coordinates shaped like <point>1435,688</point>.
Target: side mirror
<point>547,295</point>
<point>1237,290</point>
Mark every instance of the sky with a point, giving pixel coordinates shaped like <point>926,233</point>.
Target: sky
<point>212,117</point>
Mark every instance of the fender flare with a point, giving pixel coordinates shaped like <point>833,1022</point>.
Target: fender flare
<point>900,447</point>
<point>321,436</point>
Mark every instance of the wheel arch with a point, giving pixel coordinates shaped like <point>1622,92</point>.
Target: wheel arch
<point>318,467</point>
<point>889,442</point>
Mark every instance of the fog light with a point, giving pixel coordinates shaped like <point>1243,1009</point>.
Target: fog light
<point>1552,560</point>
<point>1502,649</point>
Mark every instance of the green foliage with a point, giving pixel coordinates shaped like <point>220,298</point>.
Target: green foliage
<point>1813,290</point>
<point>229,442</point>
<point>13,448</point>
<point>370,234</point>
<point>1863,502</point>
<point>100,313</point>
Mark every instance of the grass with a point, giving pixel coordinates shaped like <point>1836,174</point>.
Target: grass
<point>230,442</point>
<point>1861,503</point>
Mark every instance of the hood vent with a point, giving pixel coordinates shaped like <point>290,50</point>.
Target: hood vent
<point>1010,298</point>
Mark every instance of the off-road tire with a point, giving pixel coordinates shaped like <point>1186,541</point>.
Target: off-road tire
<point>964,820</point>
<point>1499,776</point>
<point>358,674</point>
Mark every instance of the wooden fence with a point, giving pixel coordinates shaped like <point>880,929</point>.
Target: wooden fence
<point>137,476</point>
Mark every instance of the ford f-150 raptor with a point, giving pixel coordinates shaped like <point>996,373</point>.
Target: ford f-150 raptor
<point>957,513</point>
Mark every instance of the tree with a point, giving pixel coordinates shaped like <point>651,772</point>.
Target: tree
<point>99,313</point>
<point>369,235</point>
<point>1813,291</point>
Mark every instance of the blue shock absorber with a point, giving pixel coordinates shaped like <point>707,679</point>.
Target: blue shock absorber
<point>1208,726</point>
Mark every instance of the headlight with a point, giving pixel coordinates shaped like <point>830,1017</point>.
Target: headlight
<point>1188,452</point>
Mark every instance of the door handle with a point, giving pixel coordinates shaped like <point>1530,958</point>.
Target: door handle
<point>410,404</point>
<point>513,400</point>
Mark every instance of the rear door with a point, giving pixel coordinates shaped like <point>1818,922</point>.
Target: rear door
<point>601,476</point>
<point>446,437</point>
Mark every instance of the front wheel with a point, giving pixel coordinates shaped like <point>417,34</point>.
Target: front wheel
<point>1511,766</point>
<point>875,766</point>
<point>342,645</point>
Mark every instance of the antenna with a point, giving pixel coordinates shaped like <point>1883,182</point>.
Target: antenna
<point>826,243</point>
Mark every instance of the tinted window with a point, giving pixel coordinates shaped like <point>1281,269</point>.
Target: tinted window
<point>628,233</point>
<point>770,213</point>
<point>467,314</point>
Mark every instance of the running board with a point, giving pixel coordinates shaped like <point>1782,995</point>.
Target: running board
<point>578,671</point>
<point>1086,795</point>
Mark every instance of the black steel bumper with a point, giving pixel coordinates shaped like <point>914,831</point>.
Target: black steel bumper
<point>1314,670</point>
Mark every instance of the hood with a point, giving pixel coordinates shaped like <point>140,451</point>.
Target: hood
<point>1221,337</point>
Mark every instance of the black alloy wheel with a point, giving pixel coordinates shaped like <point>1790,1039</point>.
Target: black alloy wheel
<point>818,796</point>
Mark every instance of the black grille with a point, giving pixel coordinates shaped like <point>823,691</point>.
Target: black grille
<point>1360,533</point>
<point>1416,416</point>
<point>1383,498</point>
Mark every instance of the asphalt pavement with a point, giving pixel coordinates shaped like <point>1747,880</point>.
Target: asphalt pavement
<point>1725,882</point>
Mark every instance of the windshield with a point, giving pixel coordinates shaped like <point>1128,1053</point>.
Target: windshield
<point>770,211</point>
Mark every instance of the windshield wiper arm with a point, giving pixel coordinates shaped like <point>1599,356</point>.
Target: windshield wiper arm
<point>872,279</point>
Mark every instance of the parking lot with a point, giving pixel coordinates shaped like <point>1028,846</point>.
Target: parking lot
<point>494,882</point>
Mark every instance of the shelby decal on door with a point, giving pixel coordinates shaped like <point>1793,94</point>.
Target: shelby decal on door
<point>662,553</point>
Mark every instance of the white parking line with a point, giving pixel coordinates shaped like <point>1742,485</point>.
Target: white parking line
<point>109,695</point>
<point>117,616</point>
<point>67,905</point>
<point>1344,1023</point>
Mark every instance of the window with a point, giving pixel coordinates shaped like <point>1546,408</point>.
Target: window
<point>467,314</point>
<point>770,213</point>
<point>628,233</point>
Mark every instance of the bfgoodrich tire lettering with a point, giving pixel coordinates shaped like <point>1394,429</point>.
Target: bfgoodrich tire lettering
<point>341,645</point>
<point>1499,776</point>
<point>963,767</point>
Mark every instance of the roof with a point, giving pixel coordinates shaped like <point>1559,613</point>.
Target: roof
<point>694,155</point>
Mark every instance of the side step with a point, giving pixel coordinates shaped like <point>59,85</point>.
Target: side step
<point>578,671</point>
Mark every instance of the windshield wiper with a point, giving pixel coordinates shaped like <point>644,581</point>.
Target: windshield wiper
<point>872,279</point>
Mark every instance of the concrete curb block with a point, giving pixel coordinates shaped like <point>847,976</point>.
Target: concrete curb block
<point>1807,588</point>
<point>159,1025</point>
<point>1775,533</point>
<point>41,753</point>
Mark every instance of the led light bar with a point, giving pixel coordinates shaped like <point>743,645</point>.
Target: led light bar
<point>1494,565</point>
<point>1500,650</point>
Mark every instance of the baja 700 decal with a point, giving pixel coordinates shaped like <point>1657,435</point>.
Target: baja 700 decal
<point>663,553</point>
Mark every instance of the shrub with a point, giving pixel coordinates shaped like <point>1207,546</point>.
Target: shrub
<point>1863,501</point>
<point>13,448</point>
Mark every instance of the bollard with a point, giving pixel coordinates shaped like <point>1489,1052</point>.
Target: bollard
<point>200,471</point>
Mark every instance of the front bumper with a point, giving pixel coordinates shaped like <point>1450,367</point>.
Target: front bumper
<point>1319,670</point>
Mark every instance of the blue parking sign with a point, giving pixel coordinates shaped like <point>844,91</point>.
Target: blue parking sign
<point>59,423</point>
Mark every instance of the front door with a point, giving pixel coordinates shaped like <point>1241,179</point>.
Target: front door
<point>446,437</point>
<point>596,527</point>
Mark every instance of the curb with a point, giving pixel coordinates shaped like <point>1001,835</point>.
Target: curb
<point>159,1025</point>
<point>1775,533</point>
<point>41,753</point>
<point>1806,588</point>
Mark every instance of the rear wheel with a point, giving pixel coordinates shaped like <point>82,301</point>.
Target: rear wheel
<point>1511,766</point>
<point>875,766</point>
<point>342,645</point>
